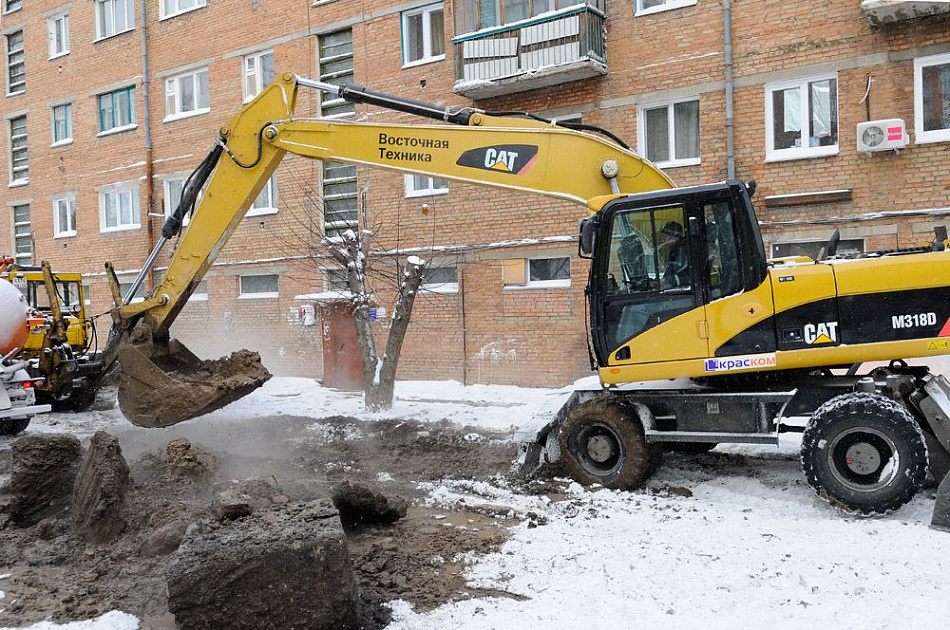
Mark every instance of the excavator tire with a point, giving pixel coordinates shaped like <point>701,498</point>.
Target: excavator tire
<point>13,426</point>
<point>864,453</point>
<point>602,442</point>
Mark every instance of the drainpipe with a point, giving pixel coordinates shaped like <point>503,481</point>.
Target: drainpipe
<point>147,122</point>
<point>730,111</point>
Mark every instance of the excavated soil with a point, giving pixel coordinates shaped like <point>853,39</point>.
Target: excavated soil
<point>57,574</point>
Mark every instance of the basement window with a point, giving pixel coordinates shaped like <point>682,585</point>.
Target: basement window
<point>442,279</point>
<point>932,99</point>
<point>259,286</point>
<point>537,273</point>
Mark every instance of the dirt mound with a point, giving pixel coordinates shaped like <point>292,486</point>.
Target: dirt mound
<point>359,505</point>
<point>42,478</point>
<point>99,499</point>
<point>180,459</point>
<point>288,567</point>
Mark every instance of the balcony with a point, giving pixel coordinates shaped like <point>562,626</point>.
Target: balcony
<point>555,47</point>
<point>881,12</point>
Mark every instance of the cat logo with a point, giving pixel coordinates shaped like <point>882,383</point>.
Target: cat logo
<point>514,159</point>
<point>816,334</point>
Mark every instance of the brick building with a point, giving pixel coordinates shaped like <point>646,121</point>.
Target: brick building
<point>110,103</point>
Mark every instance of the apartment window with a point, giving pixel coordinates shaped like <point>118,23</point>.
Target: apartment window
<point>424,186</point>
<point>62,124</point>
<point>12,5</point>
<point>117,110</point>
<point>16,66</point>
<point>335,280</point>
<point>187,95</point>
<point>423,35</point>
<point>339,198</point>
<point>200,294</point>
<point>645,7</point>
<point>336,67</point>
<point>114,17</point>
<point>259,286</point>
<point>488,13</point>
<point>266,202</point>
<point>932,99</point>
<point>58,27</point>
<point>119,209</point>
<point>811,248</point>
<point>19,158</point>
<point>258,73</point>
<point>125,287</point>
<point>22,235</point>
<point>801,118</point>
<point>669,133</point>
<point>537,272</point>
<point>174,186</point>
<point>64,216</point>
<point>444,279</point>
<point>172,8</point>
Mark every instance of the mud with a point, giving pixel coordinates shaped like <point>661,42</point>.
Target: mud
<point>42,478</point>
<point>275,462</point>
<point>360,506</point>
<point>99,498</point>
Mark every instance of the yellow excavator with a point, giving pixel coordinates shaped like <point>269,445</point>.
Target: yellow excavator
<point>697,337</point>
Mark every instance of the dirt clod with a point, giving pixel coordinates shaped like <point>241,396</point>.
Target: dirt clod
<point>184,460</point>
<point>359,505</point>
<point>229,505</point>
<point>99,498</point>
<point>41,482</point>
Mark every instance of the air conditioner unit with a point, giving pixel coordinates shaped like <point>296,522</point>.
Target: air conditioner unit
<point>882,135</point>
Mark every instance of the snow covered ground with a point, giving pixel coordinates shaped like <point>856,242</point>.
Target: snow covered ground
<point>734,538</point>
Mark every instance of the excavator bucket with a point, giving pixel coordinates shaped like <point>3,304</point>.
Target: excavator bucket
<point>170,387</point>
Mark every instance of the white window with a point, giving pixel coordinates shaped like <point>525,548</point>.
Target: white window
<point>336,67</point>
<point>174,7</point>
<point>125,287</point>
<point>187,95</point>
<point>12,5</point>
<point>259,286</point>
<point>64,216</point>
<point>58,27</point>
<point>801,118</point>
<point>174,186</point>
<point>932,99</point>
<point>258,73</point>
<point>549,272</point>
<point>19,156</point>
<point>441,279</point>
<point>16,66</point>
<point>22,235</point>
<point>266,202</point>
<point>62,124</point>
<point>645,7</point>
<point>669,133</point>
<point>114,17</point>
<point>119,209</point>
<point>200,294</point>
<point>424,186</point>
<point>423,35</point>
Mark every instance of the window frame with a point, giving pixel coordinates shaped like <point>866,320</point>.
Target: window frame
<point>21,86</point>
<point>7,9</point>
<point>670,106</point>
<point>131,92</point>
<point>271,188</point>
<point>257,72</point>
<point>17,254</point>
<point>199,4</point>
<point>15,181</point>
<point>176,94</point>
<point>440,287</point>
<point>667,6</point>
<point>118,189</point>
<point>339,226</point>
<point>922,136</point>
<point>51,33</point>
<point>129,5</point>
<point>411,191</point>
<point>338,77</point>
<point>799,153</point>
<point>242,295</point>
<point>427,41</point>
<point>68,139</point>
<point>166,199</point>
<point>558,283</point>
<point>58,231</point>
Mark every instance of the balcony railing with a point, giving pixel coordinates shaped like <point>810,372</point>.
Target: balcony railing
<point>889,11</point>
<point>552,48</point>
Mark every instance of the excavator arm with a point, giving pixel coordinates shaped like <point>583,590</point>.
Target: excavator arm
<point>515,153</point>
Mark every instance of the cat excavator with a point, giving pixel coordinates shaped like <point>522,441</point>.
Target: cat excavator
<point>698,338</point>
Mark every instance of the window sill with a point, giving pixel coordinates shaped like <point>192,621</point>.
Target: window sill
<point>198,298</point>
<point>677,163</point>
<point>17,93</point>
<point>800,155</point>
<point>64,234</point>
<point>174,15</point>
<point>932,137</point>
<point>666,7</point>
<point>192,114</point>
<point>124,228</point>
<point>58,55</point>
<point>104,38</point>
<point>12,11</point>
<point>258,296</point>
<point>448,288</point>
<point>115,130</point>
<point>17,183</point>
<point>427,193</point>
<point>61,143</point>
<point>540,284</point>
<point>261,212</point>
<point>422,62</point>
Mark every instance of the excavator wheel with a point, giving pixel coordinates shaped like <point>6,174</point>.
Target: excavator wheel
<point>864,453</point>
<point>602,442</point>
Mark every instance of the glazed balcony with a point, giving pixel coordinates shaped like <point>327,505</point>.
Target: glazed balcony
<point>554,47</point>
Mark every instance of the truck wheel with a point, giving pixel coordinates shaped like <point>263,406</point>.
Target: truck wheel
<point>13,426</point>
<point>864,453</point>
<point>602,443</point>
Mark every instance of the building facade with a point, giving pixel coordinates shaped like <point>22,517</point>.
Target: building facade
<point>109,104</point>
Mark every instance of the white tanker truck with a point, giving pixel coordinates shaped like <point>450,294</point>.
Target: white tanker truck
<point>17,398</point>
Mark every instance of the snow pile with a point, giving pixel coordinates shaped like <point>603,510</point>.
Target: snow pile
<point>114,620</point>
